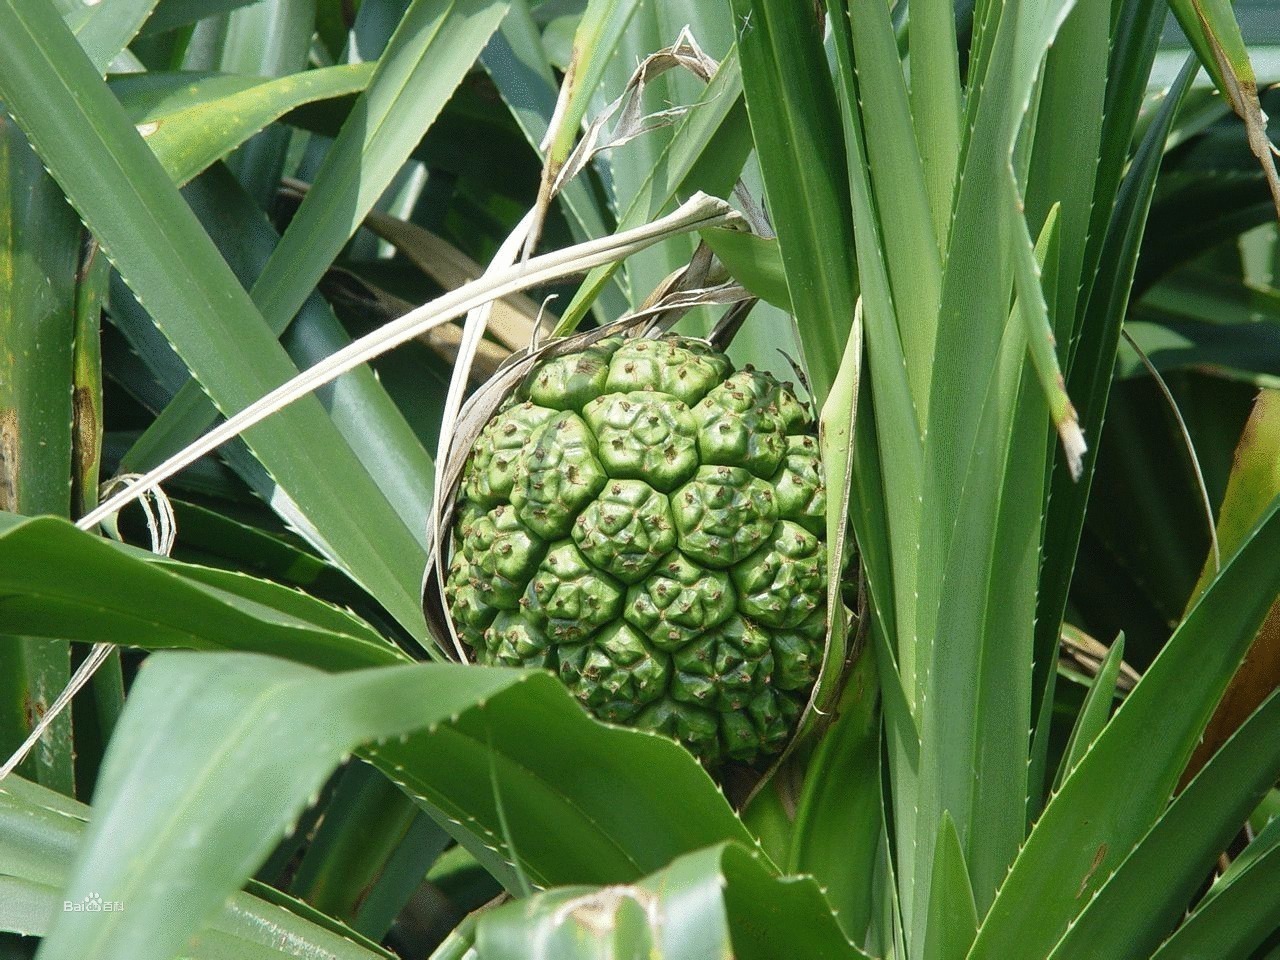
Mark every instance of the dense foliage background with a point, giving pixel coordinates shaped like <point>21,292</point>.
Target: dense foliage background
<point>983,231</point>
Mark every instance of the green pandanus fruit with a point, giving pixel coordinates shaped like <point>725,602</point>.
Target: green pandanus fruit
<point>648,524</point>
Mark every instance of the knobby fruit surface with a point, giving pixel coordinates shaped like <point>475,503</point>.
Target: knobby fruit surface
<point>648,524</point>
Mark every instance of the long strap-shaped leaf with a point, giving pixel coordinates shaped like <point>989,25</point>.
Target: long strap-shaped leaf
<point>1149,892</point>
<point>56,581</point>
<point>40,241</point>
<point>900,457</point>
<point>1239,912</point>
<point>976,705</point>
<point>168,260</point>
<point>40,832</point>
<point>428,55</point>
<point>216,755</point>
<point>361,409</point>
<point>794,115</point>
<point>1117,222</point>
<point>172,14</point>
<point>105,28</point>
<point>1215,35</point>
<point>1254,480</point>
<point>568,821</point>
<point>1121,786</point>
<point>190,120</point>
<point>908,235</point>
<point>1068,135</point>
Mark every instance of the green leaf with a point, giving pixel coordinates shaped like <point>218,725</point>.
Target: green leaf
<point>461,878</point>
<point>575,802</point>
<point>1255,477</point>
<point>24,905</point>
<point>172,14</point>
<point>365,823</point>
<point>936,104</point>
<point>599,30</point>
<point>58,582</point>
<point>837,427</point>
<point>908,236</point>
<point>460,944</point>
<point>213,539</point>
<point>401,878</point>
<point>270,39</point>
<point>173,848</point>
<point>105,28</point>
<point>1215,36</point>
<point>1267,811</point>
<point>719,902</point>
<point>92,283</point>
<point>979,274</point>
<point>754,261</point>
<point>95,713</point>
<point>227,721</point>
<point>39,253</point>
<point>169,261</point>
<point>792,106</point>
<point>1243,924</point>
<point>1253,483</point>
<point>953,917</point>
<point>570,822</point>
<point>431,50</point>
<point>1235,921</point>
<point>33,670</point>
<point>975,714</point>
<point>40,832</point>
<point>770,811</point>
<point>361,409</point>
<point>837,820</point>
<point>1092,360</point>
<point>190,120</point>
<point>1148,893</point>
<point>1041,341</point>
<point>1068,142</point>
<point>1094,713</point>
<point>1248,351</point>
<point>889,455</point>
<point>1213,297</point>
<point>40,240</point>
<point>1128,776</point>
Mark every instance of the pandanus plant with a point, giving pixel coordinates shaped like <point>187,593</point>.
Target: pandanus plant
<point>548,634</point>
